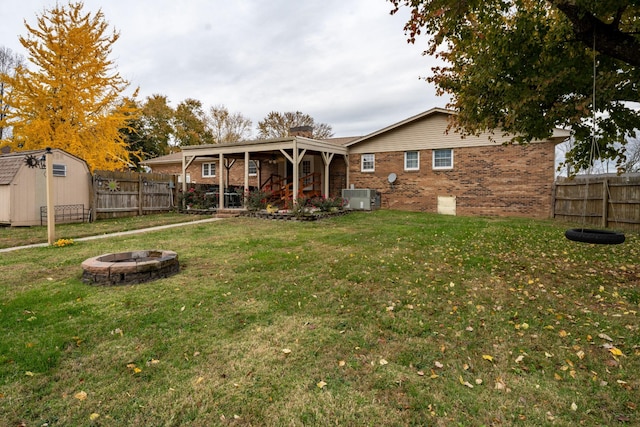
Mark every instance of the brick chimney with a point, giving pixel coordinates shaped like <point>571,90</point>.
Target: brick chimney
<point>304,131</point>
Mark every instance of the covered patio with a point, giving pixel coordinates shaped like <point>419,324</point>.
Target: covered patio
<point>293,167</point>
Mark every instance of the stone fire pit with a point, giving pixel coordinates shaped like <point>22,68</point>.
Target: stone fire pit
<point>125,268</point>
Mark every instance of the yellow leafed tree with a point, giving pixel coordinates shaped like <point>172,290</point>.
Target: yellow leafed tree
<point>72,98</point>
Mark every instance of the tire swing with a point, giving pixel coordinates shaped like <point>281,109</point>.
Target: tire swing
<point>586,235</point>
<point>601,237</point>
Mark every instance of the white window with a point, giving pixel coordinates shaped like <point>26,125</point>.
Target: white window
<point>59,170</point>
<point>208,170</point>
<point>368,163</point>
<point>306,172</point>
<point>188,178</point>
<point>443,159</point>
<point>253,168</point>
<point>411,160</point>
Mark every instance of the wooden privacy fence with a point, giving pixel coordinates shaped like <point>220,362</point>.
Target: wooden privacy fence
<point>122,194</point>
<point>599,201</point>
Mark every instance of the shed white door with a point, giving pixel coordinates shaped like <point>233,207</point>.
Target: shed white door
<point>447,205</point>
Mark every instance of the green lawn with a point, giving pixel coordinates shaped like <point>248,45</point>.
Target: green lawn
<point>383,318</point>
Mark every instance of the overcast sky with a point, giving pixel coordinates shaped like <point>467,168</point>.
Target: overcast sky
<point>344,62</point>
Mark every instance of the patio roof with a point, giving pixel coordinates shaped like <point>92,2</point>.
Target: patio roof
<point>262,146</point>
<point>292,149</point>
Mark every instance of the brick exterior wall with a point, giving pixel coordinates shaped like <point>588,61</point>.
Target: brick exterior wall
<point>501,180</point>
<point>236,172</point>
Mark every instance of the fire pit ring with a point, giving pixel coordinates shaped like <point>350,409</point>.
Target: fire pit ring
<point>126,268</point>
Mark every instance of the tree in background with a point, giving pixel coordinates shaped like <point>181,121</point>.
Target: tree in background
<point>226,127</point>
<point>277,125</point>
<point>632,163</point>
<point>190,124</point>
<point>527,66</point>
<point>71,100</point>
<point>151,132</point>
<point>9,61</point>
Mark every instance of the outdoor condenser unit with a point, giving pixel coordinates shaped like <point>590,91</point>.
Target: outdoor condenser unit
<point>361,198</point>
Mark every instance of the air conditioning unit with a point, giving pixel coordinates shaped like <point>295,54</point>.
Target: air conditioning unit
<point>361,199</point>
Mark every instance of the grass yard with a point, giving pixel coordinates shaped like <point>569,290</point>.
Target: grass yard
<point>384,318</point>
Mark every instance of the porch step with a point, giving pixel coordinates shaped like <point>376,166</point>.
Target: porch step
<point>229,213</point>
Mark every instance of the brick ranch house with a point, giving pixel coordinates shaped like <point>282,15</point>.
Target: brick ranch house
<point>415,164</point>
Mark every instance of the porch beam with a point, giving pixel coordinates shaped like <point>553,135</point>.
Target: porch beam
<point>286,155</point>
<point>185,166</point>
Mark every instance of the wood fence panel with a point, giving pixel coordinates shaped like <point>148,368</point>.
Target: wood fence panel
<point>123,194</point>
<point>599,201</point>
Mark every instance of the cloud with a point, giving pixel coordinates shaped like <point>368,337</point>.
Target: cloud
<point>345,63</point>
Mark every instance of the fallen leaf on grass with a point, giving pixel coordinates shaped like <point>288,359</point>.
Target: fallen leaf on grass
<point>29,373</point>
<point>134,368</point>
<point>321,384</point>
<point>465,383</point>
<point>438,365</point>
<point>383,362</point>
<point>500,385</point>
<point>519,358</point>
<point>574,407</point>
<point>94,416</point>
<point>580,354</point>
<point>615,351</point>
<point>286,350</point>
<point>487,357</point>
<point>605,337</point>
<point>81,395</point>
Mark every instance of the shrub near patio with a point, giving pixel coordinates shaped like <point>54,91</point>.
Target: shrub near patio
<point>382,318</point>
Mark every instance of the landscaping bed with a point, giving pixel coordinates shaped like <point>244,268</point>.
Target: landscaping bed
<point>289,216</point>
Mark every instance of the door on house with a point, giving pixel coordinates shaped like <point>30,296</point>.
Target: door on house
<point>306,170</point>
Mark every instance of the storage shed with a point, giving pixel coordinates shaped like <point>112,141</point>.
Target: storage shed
<point>23,190</point>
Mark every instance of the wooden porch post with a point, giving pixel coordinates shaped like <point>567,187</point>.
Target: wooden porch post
<point>246,175</point>
<point>346,162</point>
<point>220,181</point>
<point>184,176</point>
<point>296,178</point>
<point>326,158</point>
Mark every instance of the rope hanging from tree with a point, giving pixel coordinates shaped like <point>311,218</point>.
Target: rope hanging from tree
<point>585,235</point>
